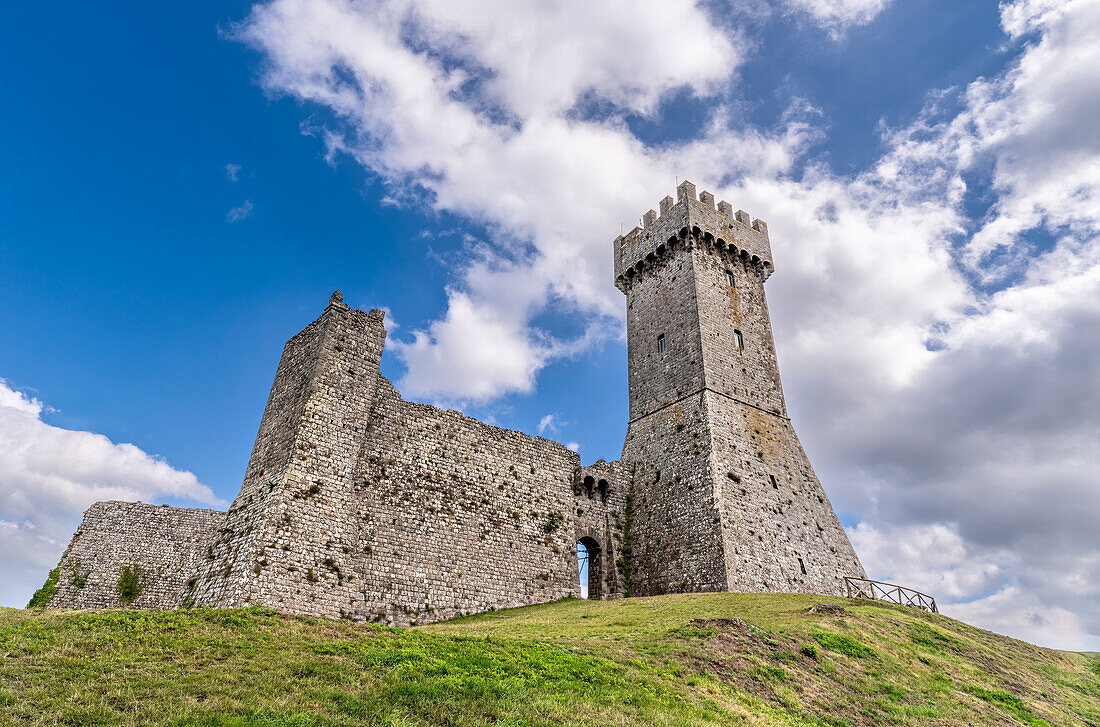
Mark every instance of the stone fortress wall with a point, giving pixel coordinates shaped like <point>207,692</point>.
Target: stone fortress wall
<point>167,544</point>
<point>359,504</point>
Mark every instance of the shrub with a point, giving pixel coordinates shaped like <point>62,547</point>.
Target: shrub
<point>809,650</point>
<point>189,597</point>
<point>129,583</point>
<point>45,594</point>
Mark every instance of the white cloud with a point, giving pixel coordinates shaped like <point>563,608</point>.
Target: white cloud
<point>930,558</point>
<point>1023,615</point>
<point>981,447</point>
<point>549,423</point>
<point>240,212</point>
<point>838,15</point>
<point>573,446</point>
<point>1037,123</point>
<point>49,476</point>
<point>477,351</point>
<point>232,172</point>
<point>474,109</point>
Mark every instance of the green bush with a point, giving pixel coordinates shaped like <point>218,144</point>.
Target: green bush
<point>45,594</point>
<point>129,583</point>
<point>809,650</point>
<point>776,673</point>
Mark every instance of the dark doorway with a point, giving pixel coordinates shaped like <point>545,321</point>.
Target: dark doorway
<point>588,568</point>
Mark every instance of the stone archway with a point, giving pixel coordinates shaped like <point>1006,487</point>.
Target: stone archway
<point>590,568</point>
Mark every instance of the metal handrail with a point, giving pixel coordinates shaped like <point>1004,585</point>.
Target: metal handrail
<point>891,592</point>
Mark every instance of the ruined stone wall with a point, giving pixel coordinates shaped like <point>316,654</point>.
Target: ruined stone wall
<point>223,575</point>
<point>298,537</point>
<point>295,508</point>
<point>359,504</point>
<point>165,543</point>
<point>456,516</point>
<point>302,563</point>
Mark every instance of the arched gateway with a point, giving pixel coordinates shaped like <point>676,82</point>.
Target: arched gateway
<point>590,568</point>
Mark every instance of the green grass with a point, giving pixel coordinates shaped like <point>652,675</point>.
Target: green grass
<point>690,659</point>
<point>843,644</point>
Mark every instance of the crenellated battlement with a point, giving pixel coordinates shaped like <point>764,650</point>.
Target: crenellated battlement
<point>692,221</point>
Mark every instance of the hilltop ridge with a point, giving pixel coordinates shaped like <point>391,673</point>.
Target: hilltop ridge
<point>687,659</point>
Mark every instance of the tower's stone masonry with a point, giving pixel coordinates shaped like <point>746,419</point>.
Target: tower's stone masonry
<point>359,504</point>
<point>725,498</point>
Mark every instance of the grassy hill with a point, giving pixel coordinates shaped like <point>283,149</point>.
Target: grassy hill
<point>729,659</point>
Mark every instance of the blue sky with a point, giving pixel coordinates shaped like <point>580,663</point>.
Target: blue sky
<point>185,185</point>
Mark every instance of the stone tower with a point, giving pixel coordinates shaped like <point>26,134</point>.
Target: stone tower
<point>724,497</point>
<point>295,514</point>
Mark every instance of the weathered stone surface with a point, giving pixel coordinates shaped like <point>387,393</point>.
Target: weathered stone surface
<point>358,504</point>
<point>165,543</point>
<point>725,498</point>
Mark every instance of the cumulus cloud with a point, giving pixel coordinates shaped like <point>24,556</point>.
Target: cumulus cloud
<point>1033,122</point>
<point>232,172</point>
<point>477,111</point>
<point>939,365</point>
<point>49,476</point>
<point>930,558</point>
